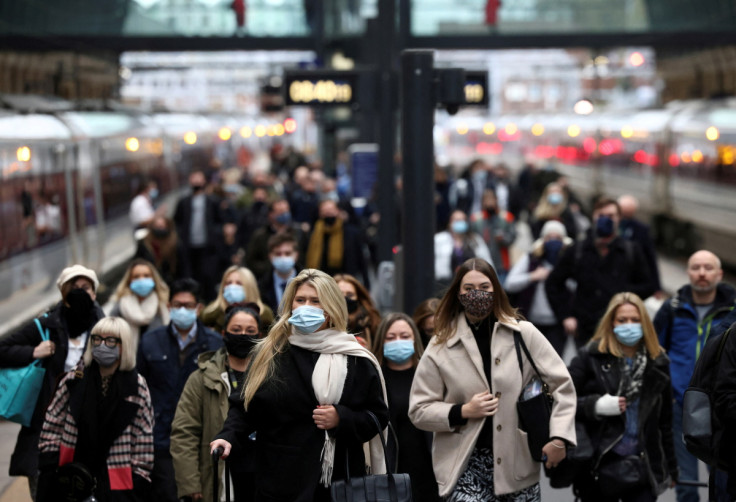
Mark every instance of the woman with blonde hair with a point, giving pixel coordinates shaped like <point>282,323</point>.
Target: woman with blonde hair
<point>309,395</point>
<point>238,285</point>
<point>102,418</point>
<point>467,385</point>
<point>363,316</point>
<point>624,400</point>
<point>141,298</point>
<point>553,205</point>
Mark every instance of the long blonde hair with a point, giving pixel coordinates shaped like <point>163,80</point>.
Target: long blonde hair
<point>250,286</point>
<point>547,211</point>
<point>332,302</point>
<point>161,288</point>
<point>606,338</point>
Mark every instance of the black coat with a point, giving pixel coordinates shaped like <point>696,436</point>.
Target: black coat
<point>266,287</point>
<point>598,279</point>
<point>594,374</point>
<point>212,218</point>
<point>16,350</point>
<point>636,231</point>
<point>724,396</point>
<point>288,443</point>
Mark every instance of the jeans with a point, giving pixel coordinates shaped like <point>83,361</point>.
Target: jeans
<point>686,461</point>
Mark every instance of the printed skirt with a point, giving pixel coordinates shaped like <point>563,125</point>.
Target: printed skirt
<point>476,483</point>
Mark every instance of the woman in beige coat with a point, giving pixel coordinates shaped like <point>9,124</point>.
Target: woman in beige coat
<point>466,387</point>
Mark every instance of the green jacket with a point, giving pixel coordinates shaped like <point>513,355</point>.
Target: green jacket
<point>200,414</point>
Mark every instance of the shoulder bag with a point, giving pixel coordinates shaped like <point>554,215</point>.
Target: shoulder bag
<point>534,405</point>
<point>372,488</point>
<point>20,387</point>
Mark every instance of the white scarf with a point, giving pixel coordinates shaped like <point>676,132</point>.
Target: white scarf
<point>328,382</point>
<point>138,313</point>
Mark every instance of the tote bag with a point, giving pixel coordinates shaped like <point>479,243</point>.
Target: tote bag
<point>20,387</point>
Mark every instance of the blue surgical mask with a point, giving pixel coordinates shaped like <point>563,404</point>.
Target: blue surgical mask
<point>604,226</point>
<point>183,318</point>
<point>233,293</point>
<point>307,319</point>
<point>628,334</point>
<point>459,226</point>
<point>283,218</point>
<point>143,286</point>
<point>153,193</point>
<point>554,198</point>
<point>398,351</point>
<point>283,264</point>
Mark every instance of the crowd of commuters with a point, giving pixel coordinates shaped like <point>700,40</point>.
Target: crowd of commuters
<point>246,322</point>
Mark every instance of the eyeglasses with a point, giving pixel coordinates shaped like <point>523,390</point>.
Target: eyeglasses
<point>110,341</point>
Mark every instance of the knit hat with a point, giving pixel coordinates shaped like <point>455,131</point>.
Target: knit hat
<point>70,273</point>
<point>551,227</point>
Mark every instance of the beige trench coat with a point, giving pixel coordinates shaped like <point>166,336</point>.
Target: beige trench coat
<point>451,373</point>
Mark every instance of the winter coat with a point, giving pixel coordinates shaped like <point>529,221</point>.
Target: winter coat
<point>452,373</point>
<point>16,350</point>
<point>683,336</point>
<point>598,278</point>
<point>595,374</point>
<point>724,397</point>
<point>200,414</point>
<point>130,455</point>
<point>159,363</point>
<point>288,443</point>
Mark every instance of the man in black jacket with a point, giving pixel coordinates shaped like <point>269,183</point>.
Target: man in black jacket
<point>725,403</point>
<point>634,230</point>
<point>602,265</point>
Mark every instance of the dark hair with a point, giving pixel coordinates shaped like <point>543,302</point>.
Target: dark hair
<point>606,201</point>
<point>425,310</point>
<point>185,285</point>
<point>450,306</point>
<point>383,328</point>
<point>249,308</point>
<point>280,238</point>
<point>273,203</point>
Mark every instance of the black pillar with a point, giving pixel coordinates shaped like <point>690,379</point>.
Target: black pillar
<point>418,222</point>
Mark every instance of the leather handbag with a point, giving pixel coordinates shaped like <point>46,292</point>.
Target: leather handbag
<point>618,474</point>
<point>534,406</point>
<point>387,487</point>
<point>578,459</point>
<point>20,387</point>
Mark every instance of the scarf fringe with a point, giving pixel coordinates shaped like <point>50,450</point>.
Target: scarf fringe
<point>328,460</point>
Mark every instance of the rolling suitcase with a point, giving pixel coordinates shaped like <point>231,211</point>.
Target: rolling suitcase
<point>216,484</point>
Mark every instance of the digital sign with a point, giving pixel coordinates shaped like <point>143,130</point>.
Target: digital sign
<point>476,88</point>
<point>321,88</point>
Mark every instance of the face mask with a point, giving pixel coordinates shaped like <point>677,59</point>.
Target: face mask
<point>604,226</point>
<point>552,251</point>
<point>143,286</point>
<point>197,188</point>
<point>153,193</point>
<point>80,303</point>
<point>233,293</point>
<point>459,226</point>
<point>183,318</point>
<point>329,220</point>
<point>105,356</point>
<point>352,305</point>
<point>332,195</point>
<point>283,264</point>
<point>628,334</point>
<point>398,351</point>
<point>160,233</point>
<point>477,303</point>
<point>307,319</point>
<point>283,218</point>
<point>239,345</point>
<point>554,198</point>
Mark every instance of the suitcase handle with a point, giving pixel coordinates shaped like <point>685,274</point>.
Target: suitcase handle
<point>216,456</point>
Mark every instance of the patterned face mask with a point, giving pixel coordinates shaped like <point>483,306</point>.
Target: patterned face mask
<point>477,303</point>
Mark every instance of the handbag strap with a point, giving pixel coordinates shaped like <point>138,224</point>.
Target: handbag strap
<point>519,342</point>
<point>44,332</point>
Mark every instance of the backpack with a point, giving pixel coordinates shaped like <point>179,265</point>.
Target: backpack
<point>702,431</point>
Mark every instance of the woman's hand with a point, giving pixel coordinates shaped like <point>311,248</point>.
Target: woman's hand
<point>44,349</point>
<point>325,417</point>
<point>196,497</point>
<point>480,405</point>
<point>555,451</point>
<point>622,404</point>
<point>223,445</point>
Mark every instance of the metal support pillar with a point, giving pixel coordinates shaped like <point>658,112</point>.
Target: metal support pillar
<point>418,222</point>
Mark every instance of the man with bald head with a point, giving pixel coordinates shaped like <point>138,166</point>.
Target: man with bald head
<point>633,229</point>
<point>684,325</point>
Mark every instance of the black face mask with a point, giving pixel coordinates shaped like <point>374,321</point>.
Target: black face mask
<point>352,305</point>
<point>197,188</point>
<point>160,233</point>
<point>329,220</point>
<point>79,312</point>
<point>239,345</point>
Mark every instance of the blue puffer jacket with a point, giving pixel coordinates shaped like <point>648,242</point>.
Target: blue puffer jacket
<point>683,336</point>
<point>159,362</point>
